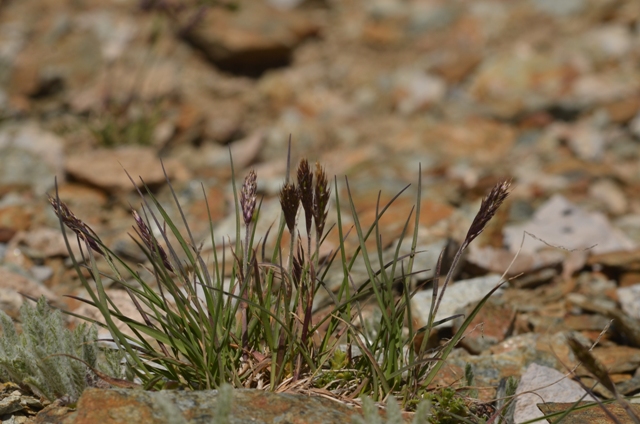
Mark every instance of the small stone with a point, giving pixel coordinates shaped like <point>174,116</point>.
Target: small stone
<point>10,404</point>
<point>610,195</point>
<point>560,223</point>
<point>623,110</point>
<point>415,91</point>
<point>105,168</point>
<point>634,125</point>
<point>42,243</point>
<point>249,40</point>
<point>608,42</point>
<point>511,83</point>
<point>425,17</point>
<point>586,140</point>
<point>13,218</point>
<point>490,326</point>
<point>501,260</point>
<point>618,359</point>
<point>224,120</point>
<point>629,298</point>
<point>630,225</point>
<point>13,284</point>
<point>29,156</point>
<point>41,272</point>
<point>543,384</point>
<point>456,296</point>
<point>455,67</point>
<point>246,150</point>
<point>560,9</point>
<point>285,4</point>
<point>627,260</point>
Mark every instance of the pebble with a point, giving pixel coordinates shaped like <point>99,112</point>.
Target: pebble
<point>251,40</point>
<point>629,298</point>
<point>560,223</point>
<point>457,295</point>
<point>107,168</point>
<point>543,384</point>
<point>29,156</point>
<point>13,283</point>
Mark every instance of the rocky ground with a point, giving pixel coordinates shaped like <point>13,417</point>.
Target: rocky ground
<point>544,92</point>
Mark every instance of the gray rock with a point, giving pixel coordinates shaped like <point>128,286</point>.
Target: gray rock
<point>420,90</point>
<point>634,125</point>
<point>105,168</point>
<point>41,272</point>
<point>249,40</point>
<point>629,298</point>
<point>456,296</point>
<point>543,384</point>
<point>561,223</point>
<point>431,17</point>
<point>15,282</point>
<point>30,156</point>
<point>608,193</point>
<point>256,406</point>
<point>560,9</point>
<point>608,42</point>
<point>522,80</point>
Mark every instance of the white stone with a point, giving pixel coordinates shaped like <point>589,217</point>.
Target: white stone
<point>543,384</point>
<point>560,223</point>
<point>456,296</point>
<point>629,298</point>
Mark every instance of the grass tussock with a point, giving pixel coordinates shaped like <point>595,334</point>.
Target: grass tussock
<point>253,325</point>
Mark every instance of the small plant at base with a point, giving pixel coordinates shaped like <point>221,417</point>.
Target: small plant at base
<point>258,330</point>
<point>448,407</point>
<point>393,413</point>
<point>42,356</point>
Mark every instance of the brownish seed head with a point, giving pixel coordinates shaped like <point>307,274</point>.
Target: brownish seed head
<point>320,199</point>
<point>290,201</point>
<point>149,240</point>
<point>488,209</point>
<point>248,197</point>
<point>305,185</point>
<point>82,230</point>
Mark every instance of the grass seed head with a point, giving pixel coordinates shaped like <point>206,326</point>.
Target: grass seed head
<point>488,209</point>
<point>320,199</point>
<point>305,186</point>
<point>248,197</point>
<point>75,224</point>
<point>290,201</point>
<point>150,241</point>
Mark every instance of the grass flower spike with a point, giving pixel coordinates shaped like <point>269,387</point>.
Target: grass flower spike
<point>248,197</point>
<point>82,230</point>
<point>305,185</point>
<point>488,209</point>
<point>149,240</point>
<point>320,200</point>
<point>290,201</point>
